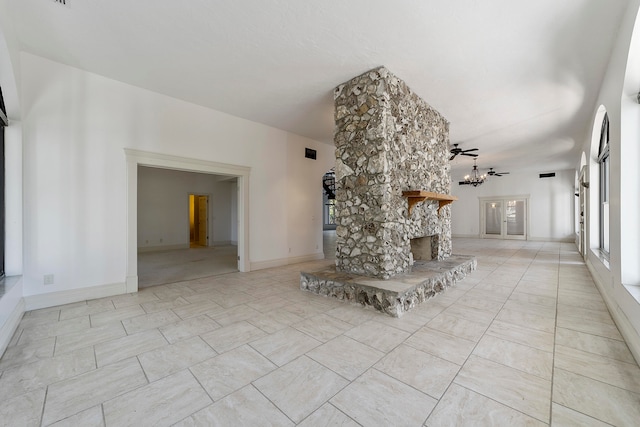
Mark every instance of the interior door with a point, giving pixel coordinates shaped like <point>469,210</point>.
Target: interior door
<point>203,202</point>
<point>504,218</point>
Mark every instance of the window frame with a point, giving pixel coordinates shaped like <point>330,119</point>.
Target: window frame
<point>604,168</point>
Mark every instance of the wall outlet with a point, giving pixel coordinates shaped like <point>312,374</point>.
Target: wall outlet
<point>48,279</point>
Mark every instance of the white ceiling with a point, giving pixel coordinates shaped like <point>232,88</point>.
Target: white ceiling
<point>516,79</point>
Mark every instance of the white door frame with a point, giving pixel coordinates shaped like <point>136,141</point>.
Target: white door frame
<point>503,200</point>
<point>137,158</point>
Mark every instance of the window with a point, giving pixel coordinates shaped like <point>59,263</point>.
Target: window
<point>330,212</point>
<point>604,167</point>
<point>3,123</point>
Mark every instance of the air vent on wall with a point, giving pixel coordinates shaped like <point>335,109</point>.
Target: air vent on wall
<point>310,153</point>
<point>547,175</point>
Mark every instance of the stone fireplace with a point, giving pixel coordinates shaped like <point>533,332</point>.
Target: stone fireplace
<point>389,143</point>
<point>393,233</point>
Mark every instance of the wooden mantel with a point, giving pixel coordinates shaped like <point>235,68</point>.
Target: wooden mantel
<point>417,196</point>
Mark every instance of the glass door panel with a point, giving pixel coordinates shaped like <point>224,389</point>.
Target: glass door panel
<point>515,217</point>
<point>493,218</point>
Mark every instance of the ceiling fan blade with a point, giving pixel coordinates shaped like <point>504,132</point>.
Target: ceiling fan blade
<point>453,157</point>
<point>469,154</point>
<point>470,149</point>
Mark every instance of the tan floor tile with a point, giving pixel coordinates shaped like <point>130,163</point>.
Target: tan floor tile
<point>269,303</point>
<point>346,356</point>
<point>197,309</point>
<point>323,327</point>
<point>584,313</point>
<point>89,337</point>
<point>596,399</point>
<point>583,300</point>
<point>528,320</point>
<point>607,347</point>
<point>328,415</point>
<point>89,417</point>
<point>457,326</point>
<point>444,346</point>
<point>377,335</point>
<point>463,407</point>
<point>234,315</point>
<point>565,417</point>
<point>232,336</point>
<point>149,321</point>
<point>52,329</point>
<point>144,295</point>
<point>267,323</point>
<point>128,346</point>
<point>620,374</point>
<point>378,399</point>
<point>168,304</point>
<point>418,369</point>
<point>608,330</point>
<point>228,372</point>
<point>518,356</point>
<point>83,310</point>
<point>524,392</point>
<point>245,407</point>
<point>166,360</point>
<point>300,387</point>
<point>188,328</point>
<point>24,410</point>
<point>159,403</point>
<point>283,346</point>
<point>40,374</point>
<point>76,394</point>
<point>27,353</point>
<point>117,315</point>
<point>522,335</point>
<point>480,316</point>
<point>352,314</point>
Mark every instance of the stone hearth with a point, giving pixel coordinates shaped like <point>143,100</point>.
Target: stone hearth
<point>394,296</point>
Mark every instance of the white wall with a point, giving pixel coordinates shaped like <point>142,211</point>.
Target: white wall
<point>163,207</point>
<point>75,127</point>
<point>617,94</point>
<point>551,203</point>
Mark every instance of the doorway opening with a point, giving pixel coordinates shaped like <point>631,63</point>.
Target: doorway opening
<point>154,231</point>
<point>198,221</point>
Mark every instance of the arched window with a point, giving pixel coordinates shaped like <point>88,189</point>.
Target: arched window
<point>603,161</point>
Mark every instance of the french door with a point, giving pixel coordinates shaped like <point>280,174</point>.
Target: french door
<point>504,218</point>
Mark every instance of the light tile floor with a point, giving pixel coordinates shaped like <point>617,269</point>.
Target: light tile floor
<point>524,340</point>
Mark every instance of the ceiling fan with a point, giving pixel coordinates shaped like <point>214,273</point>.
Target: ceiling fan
<point>494,173</point>
<point>456,150</point>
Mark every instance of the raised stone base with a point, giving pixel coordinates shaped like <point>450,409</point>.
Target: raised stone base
<point>394,296</point>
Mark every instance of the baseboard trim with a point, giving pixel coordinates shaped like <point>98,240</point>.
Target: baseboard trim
<point>51,299</point>
<point>261,265</point>
<point>163,248</point>
<point>466,236</point>
<point>9,327</point>
<point>625,327</point>
<point>552,239</point>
